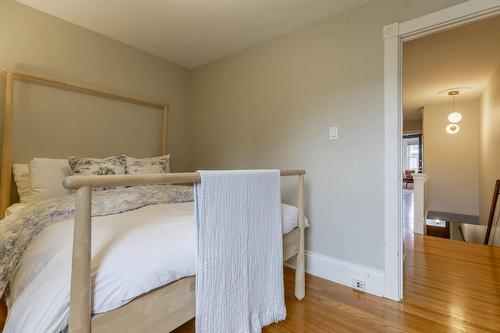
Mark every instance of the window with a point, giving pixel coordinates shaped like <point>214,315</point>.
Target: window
<point>412,157</point>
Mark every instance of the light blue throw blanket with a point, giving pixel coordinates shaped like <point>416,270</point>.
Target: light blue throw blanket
<point>239,278</point>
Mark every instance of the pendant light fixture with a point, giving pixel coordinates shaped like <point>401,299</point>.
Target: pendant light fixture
<point>452,128</point>
<point>454,117</point>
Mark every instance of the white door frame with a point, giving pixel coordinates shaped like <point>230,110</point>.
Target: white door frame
<point>394,36</point>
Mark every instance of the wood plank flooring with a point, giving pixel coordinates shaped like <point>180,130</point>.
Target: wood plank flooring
<point>449,286</point>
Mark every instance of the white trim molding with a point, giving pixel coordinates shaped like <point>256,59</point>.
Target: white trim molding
<point>449,18</point>
<point>344,272</point>
<point>394,35</point>
<point>393,121</point>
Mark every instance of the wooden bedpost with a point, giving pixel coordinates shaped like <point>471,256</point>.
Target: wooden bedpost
<point>6,172</point>
<point>80,294</point>
<point>300,263</point>
<point>164,131</point>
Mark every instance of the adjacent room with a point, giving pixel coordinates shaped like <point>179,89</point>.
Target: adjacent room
<point>449,145</point>
<point>249,166</point>
<point>450,162</point>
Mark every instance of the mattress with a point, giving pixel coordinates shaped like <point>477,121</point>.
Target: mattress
<point>132,253</point>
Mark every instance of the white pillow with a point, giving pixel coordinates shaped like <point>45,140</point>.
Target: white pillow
<point>23,181</point>
<point>47,176</point>
<point>159,164</point>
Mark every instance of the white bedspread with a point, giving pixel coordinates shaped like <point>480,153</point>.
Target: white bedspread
<point>132,253</point>
<point>239,277</point>
<point>14,208</point>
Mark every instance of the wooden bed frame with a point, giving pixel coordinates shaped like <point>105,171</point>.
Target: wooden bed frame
<point>11,75</point>
<point>162,309</point>
<point>167,307</point>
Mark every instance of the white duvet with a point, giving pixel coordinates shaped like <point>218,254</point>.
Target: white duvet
<point>132,253</point>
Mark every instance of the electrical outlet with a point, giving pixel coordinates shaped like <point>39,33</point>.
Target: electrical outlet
<point>358,284</point>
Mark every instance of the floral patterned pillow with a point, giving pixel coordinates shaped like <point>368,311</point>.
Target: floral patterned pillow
<point>158,164</point>
<point>114,165</point>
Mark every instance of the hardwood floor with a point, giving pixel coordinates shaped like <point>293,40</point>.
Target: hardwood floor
<point>3,312</point>
<point>449,286</point>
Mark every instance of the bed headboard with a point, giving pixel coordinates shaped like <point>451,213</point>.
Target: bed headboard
<point>8,120</point>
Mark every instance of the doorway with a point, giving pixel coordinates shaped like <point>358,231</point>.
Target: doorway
<point>412,153</point>
<point>394,36</point>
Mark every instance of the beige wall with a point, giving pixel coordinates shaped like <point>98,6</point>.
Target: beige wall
<point>452,161</point>
<point>412,126</point>
<point>270,106</point>
<point>33,41</point>
<point>490,143</point>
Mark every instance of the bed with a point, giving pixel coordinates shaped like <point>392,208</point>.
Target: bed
<point>159,295</point>
<point>133,253</point>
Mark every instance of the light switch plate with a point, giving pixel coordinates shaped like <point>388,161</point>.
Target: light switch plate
<point>333,133</point>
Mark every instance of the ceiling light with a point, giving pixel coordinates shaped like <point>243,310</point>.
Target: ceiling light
<point>462,90</point>
<point>454,117</point>
<point>452,128</point>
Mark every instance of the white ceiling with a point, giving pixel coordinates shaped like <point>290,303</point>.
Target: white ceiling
<point>463,57</point>
<point>192,32</point>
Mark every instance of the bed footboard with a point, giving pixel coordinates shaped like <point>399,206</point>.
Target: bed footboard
<point>80,320</point>
<point>165,308</point>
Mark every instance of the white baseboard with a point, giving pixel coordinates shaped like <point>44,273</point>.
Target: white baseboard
<point>343,272</point>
